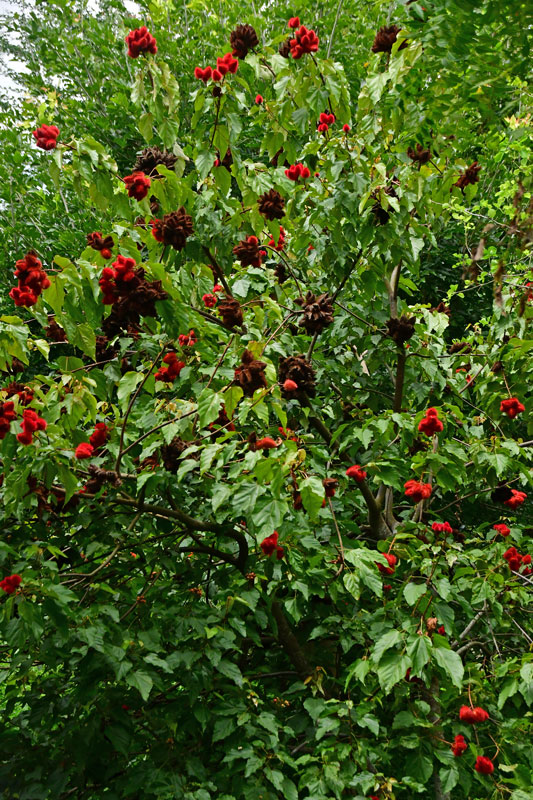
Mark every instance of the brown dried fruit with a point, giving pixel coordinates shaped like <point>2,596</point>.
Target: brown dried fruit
<point>402,329</point>
<point>385,38</point>
<point>299,370</point>
<point>242,40</point>
<point>318,312</point>
<point>250,375</point>
<point>420,155</point>
<point>231,312</point>
<point>460,347</point>
<point>272,205</point>
<point>470,175</point>
<point>174,229</point>
<point>151,158</point>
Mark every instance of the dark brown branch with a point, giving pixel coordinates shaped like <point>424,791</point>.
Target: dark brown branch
<point>290,643</point>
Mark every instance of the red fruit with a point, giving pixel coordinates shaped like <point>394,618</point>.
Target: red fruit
<point>140,41</point>
<point>327,119</point>
<point>323,128</point>
<point>346,127</point>
<point>227,64</point>
<point>216,75</point>
<point>417,491</point>
<point>203,74</point>
<point>294,22</point>
<point>356,472</point>
<point>459,745</point>
<point>516,499</point>
<point>10,584</point>
<point>473,715</point>
<point>297,171</point>
<point>265,444</point>
<point>105,253</point>
<point>210,300</point>
<point>441,527</point>
<point>431,423</point>
<point>484,765</point>
<point>25,438</point>
<point>137,184</point>
<point>441,631</point>
<point>100,435</point>
<point>502,528</point>
<point>512,406</point>
<point>391,560</point>
<point>258,99</point>
<point>270,545</point>
<point>305,41</point>
<point>290,386</point>
<point>46,136</point>
<point>32,280</point>
<point>84,450</point>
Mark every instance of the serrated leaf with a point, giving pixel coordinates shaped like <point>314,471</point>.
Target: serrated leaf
<point>142,682</point>
<point>209,404</point>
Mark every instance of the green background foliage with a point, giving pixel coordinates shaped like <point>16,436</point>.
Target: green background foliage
<point>153,649</point>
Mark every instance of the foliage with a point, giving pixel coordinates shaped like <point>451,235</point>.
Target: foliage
<point>157,645</point>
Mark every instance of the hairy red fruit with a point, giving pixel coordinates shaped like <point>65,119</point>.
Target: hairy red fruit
<point>137,184</point>
<point>417,491</point>
<point>502,528</point>
<point>46,137</point>
<point>356,472</point>
<point>203,74</point>
<point>459,745</point>
<point>265,444</point>
<point>10,584</point>
<point>512,407</point>
<point>391,560</point>
<point>270,545</point>
<point>290,386</point>
<point>431,423</point>
<point>259,99</point>
<point>210,300</point>
<point>84,450</point>
<point>294,22</point>
<point>441,527</point>
<point>473,715</point>
<point>516,499</point>
<point>32,280</point>
<point>140,41</point>
<point>484,765</point>
<point>297,171</point>
<point>346,127</point>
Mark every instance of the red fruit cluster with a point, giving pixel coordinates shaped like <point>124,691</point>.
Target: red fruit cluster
<point>32,280</point>
<point>137,184</point>
<point>31,422</point>
<point>46,136</point>
<point>297,171</point>
<point>459,745</point>
<point>7,415</point>
<point>117,279</point>
<point>210,300</point>
<point>515,561</point>
<point>431,423</point>
<point>187,339</point>
<point>100,436</point>
<point>10,584</point>
<point>502,528</point>
<point>270,545</point>
<point>441,527</point>
<point>473,715</point>
<point>100,243</point>
<point>325,120</point>
<point>516,499</point>
<point>417,491</point>
<point>512,407</point>
<point>356,472</point>
<point>305,41</point>
<point>172,370</point>
<point>391,560</point>
<point>225,64</point>
<point>140,41</point>
<point>484,765</point>
<point>281,241</point>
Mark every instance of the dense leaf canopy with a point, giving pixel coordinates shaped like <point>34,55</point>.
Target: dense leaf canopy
<point>265,411</point>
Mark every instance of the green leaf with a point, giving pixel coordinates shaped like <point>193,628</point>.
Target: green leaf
<point>127,385</point>
<point>386,642</point>
<point>209,403</point>
<point>145,125</point>
<point>231,671</point>
<point>413,592</point>
<point>392,668</point>
<point>141,681</point>
<point>451,663</point>
<point>419,653</point>
<point>312,492</point>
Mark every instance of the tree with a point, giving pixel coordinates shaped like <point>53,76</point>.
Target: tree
<point>264,435</point>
